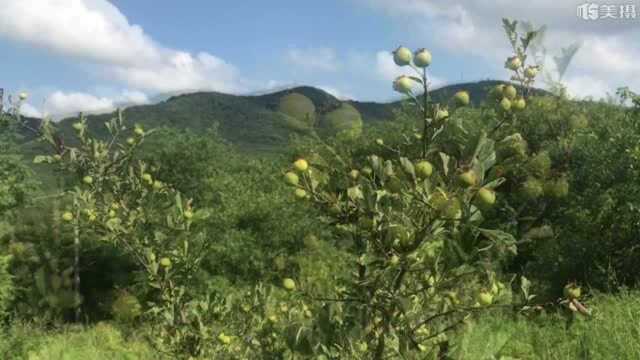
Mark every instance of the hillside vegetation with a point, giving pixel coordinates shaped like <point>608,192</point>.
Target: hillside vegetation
<point>487,222</point>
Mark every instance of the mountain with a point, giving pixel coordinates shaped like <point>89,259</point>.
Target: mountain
<point>254,122</point>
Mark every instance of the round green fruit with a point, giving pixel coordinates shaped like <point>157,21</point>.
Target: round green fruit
<point>157,185</point>
<point>513,63</point>
<point>519,104</point>
<point>505,104</point>
<point>300,193</point>
<point>402,56</point>
<point>380,142</point>
<point>138,130</point>
<point>403,84</point>
<point>131,141</point>
<point>367,170</point>
<point>165,262</point>
<point>224,339</point>
<point>485,298</point>
<point>147,177</point>
<point>462,98</point>
<point>354,174</point>
<point>67,216</point>
<point>87,180</point>
<point>510,92</point>
<point>301,165</point>
<point>23,96</point>
<point>531,72</point>
<point>468,178</point>
<point>424,169</point>
<point>395,260</point>
<point>422,58</point>
<point>289,284</point>
<point>572,291</point>
<point>78,126</point>
<point>291,178</point>
<point>532,188</point>
<point>188,214</point>
<point>487,196</point>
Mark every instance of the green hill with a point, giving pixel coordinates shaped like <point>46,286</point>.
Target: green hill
<point>252,123</point>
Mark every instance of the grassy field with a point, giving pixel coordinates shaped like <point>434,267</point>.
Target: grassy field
<point>611,333</point>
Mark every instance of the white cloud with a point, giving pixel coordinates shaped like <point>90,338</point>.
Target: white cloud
<point>336,93</point>
<point>60,103</point>
<point>29,110</point>
<point>321,59</point>
<point>96,32</point>
<point>474,27</point>
<point>134,97</point>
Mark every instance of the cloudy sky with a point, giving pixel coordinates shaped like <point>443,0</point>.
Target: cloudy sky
<point>92,55</point>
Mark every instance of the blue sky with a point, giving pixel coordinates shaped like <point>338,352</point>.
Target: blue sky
<point>93,55</point>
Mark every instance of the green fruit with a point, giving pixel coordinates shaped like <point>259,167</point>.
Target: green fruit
<point>505,104</point>
<point>424,169</point>
<point>138,130</point>
<point>519,104</point>
<point>367,170</point>
<point>510,92</point>
<point>513,63</point>
<point>87,180</point>
<point>165,262</point>
<point>147,177</point>
<point>395,260</point>
<point>301,165</point>
<point>380,142</point>
<point>394,185</point>
<point>354,174</point>
<point>157,185</point>
<point>485,298</point>
<point>531,72</point>
<point>402,56</point>
<point>558,188</point>
<point>131,141</point>
<point>300,193</point>
<point>23,96</point>
<point>67,216</point>
<point>289,284</point>
<point>462,98</point>
<point>579,121</point>
<point>468,178</point>
<point>572,291</point>
<point>422,58</point>
<point>532,188</point>
<point>540,164</point>
<point>452,210</point>
<point>224,339</point>
<point>438,200</point>
<point>57,157</point>
<point>291,178</point>
<point>78,126</point>
<point>188,214</point>
<point>403,84</point>
<point>487,196</point>
<point>112,213</point>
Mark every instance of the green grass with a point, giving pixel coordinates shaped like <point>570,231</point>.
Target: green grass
<point>613,332</point>
<point>101,341</point>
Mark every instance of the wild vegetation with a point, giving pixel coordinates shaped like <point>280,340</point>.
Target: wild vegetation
<point>458,228</point>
